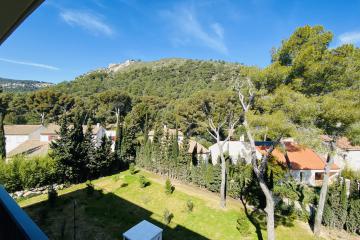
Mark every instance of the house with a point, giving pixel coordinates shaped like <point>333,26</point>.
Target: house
<point>201,152</point>
<point>347,155</point>
<point>34,140</point>
<point>304,164</point>
<point>169,132</point>
<point>143,231</point>
<point>18,134</point>
<point>50,133</point>
<point>236,150</point>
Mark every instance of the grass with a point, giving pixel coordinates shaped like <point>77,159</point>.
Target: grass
<point>118,203</point>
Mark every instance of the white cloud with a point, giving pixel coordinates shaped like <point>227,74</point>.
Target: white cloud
<point>187,28</point>
<point>32,64</point>
<point>86,20</point>
<point>350,37</point>
<point>218,29</point>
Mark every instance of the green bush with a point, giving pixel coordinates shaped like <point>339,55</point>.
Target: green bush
<point>132,168</point>
<point>24,173</point>
<point>167,216</point>
<point>243,225</point>
<point>353,219</point>
<point>169,188</point>
<point>189,206</point>
<point>143,181</point>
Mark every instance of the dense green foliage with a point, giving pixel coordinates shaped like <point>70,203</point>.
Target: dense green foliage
<point>20,173</point>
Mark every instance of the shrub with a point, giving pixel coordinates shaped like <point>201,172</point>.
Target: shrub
<point>189,206</point>
<point>89,188</point>
<point>243,226</point>
<point>132,168</point>
<point>52,195</point>
<point>167,216</point>
<point>143,181</point>
<point>353,219</point>
<point>169,188</point>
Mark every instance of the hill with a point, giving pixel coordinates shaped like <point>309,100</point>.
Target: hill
<point>173,78</point>
<point>11,85</point>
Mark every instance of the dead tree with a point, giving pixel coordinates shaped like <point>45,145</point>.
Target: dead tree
<point>214,130</point>
<point>259,167</point>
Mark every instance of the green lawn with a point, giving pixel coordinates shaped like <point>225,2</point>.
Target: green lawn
<point>119,203</point>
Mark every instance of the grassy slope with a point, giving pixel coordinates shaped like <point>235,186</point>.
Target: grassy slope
<point>106,215</point>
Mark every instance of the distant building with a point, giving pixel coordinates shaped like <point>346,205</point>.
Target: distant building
<point>347,155</point>
<point>304,164</point>
<point>237,150</point>
<point>34,140</point>
<point>195,148</point>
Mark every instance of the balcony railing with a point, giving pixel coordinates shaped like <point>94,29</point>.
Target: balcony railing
<point>14,222</point>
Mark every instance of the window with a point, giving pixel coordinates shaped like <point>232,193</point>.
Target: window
<point>319,176</point>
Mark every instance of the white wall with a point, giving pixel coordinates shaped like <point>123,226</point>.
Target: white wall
<point>308,176</point>
<point>13,141</point>
<point>235,149</point>
<point>352,160</point>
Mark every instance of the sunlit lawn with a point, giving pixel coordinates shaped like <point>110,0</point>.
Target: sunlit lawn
<point>121,203</point>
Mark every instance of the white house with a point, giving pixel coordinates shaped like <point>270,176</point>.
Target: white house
<point>168,131</point>
<point>237,150</point>
<point>17,134</point>
<point>348,156</point>
<point>304,164</point>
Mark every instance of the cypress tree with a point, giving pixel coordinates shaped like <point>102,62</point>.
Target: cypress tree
<point>61,150</point>
<point>89,148</point>
<point>118,141</point>
<point>103,157</point>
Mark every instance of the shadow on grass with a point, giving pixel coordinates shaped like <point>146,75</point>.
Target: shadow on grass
<point>98,215</point>
<point>283,216</point>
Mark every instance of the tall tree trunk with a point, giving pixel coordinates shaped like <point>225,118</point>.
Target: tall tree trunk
<point>223,176</point>
<point>2,138</point>
<point>270,205</point>
<point>269,209</point>
<point>324,189</point>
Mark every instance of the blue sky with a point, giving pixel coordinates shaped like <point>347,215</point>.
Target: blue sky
<point>63,39</point>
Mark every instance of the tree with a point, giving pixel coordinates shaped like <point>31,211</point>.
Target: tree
<point>221,112</point>
<point>116,102</point>
<point>4,102</point>
<point>259,168</point>
<point>43,102</point>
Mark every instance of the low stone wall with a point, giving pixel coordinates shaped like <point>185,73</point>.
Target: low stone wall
<point>35,191</point>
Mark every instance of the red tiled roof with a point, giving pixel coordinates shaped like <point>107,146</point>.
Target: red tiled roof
<point>300,158</point>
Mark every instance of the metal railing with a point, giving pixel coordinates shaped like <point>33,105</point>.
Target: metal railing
<point>14,222</point>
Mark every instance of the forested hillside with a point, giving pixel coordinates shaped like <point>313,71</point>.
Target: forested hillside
<point>173,78</point>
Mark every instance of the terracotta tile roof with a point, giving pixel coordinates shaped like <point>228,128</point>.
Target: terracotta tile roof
<point>345,144</point>
<point>300,158</point>
<point>20,129</point>
<point>30,148</point>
